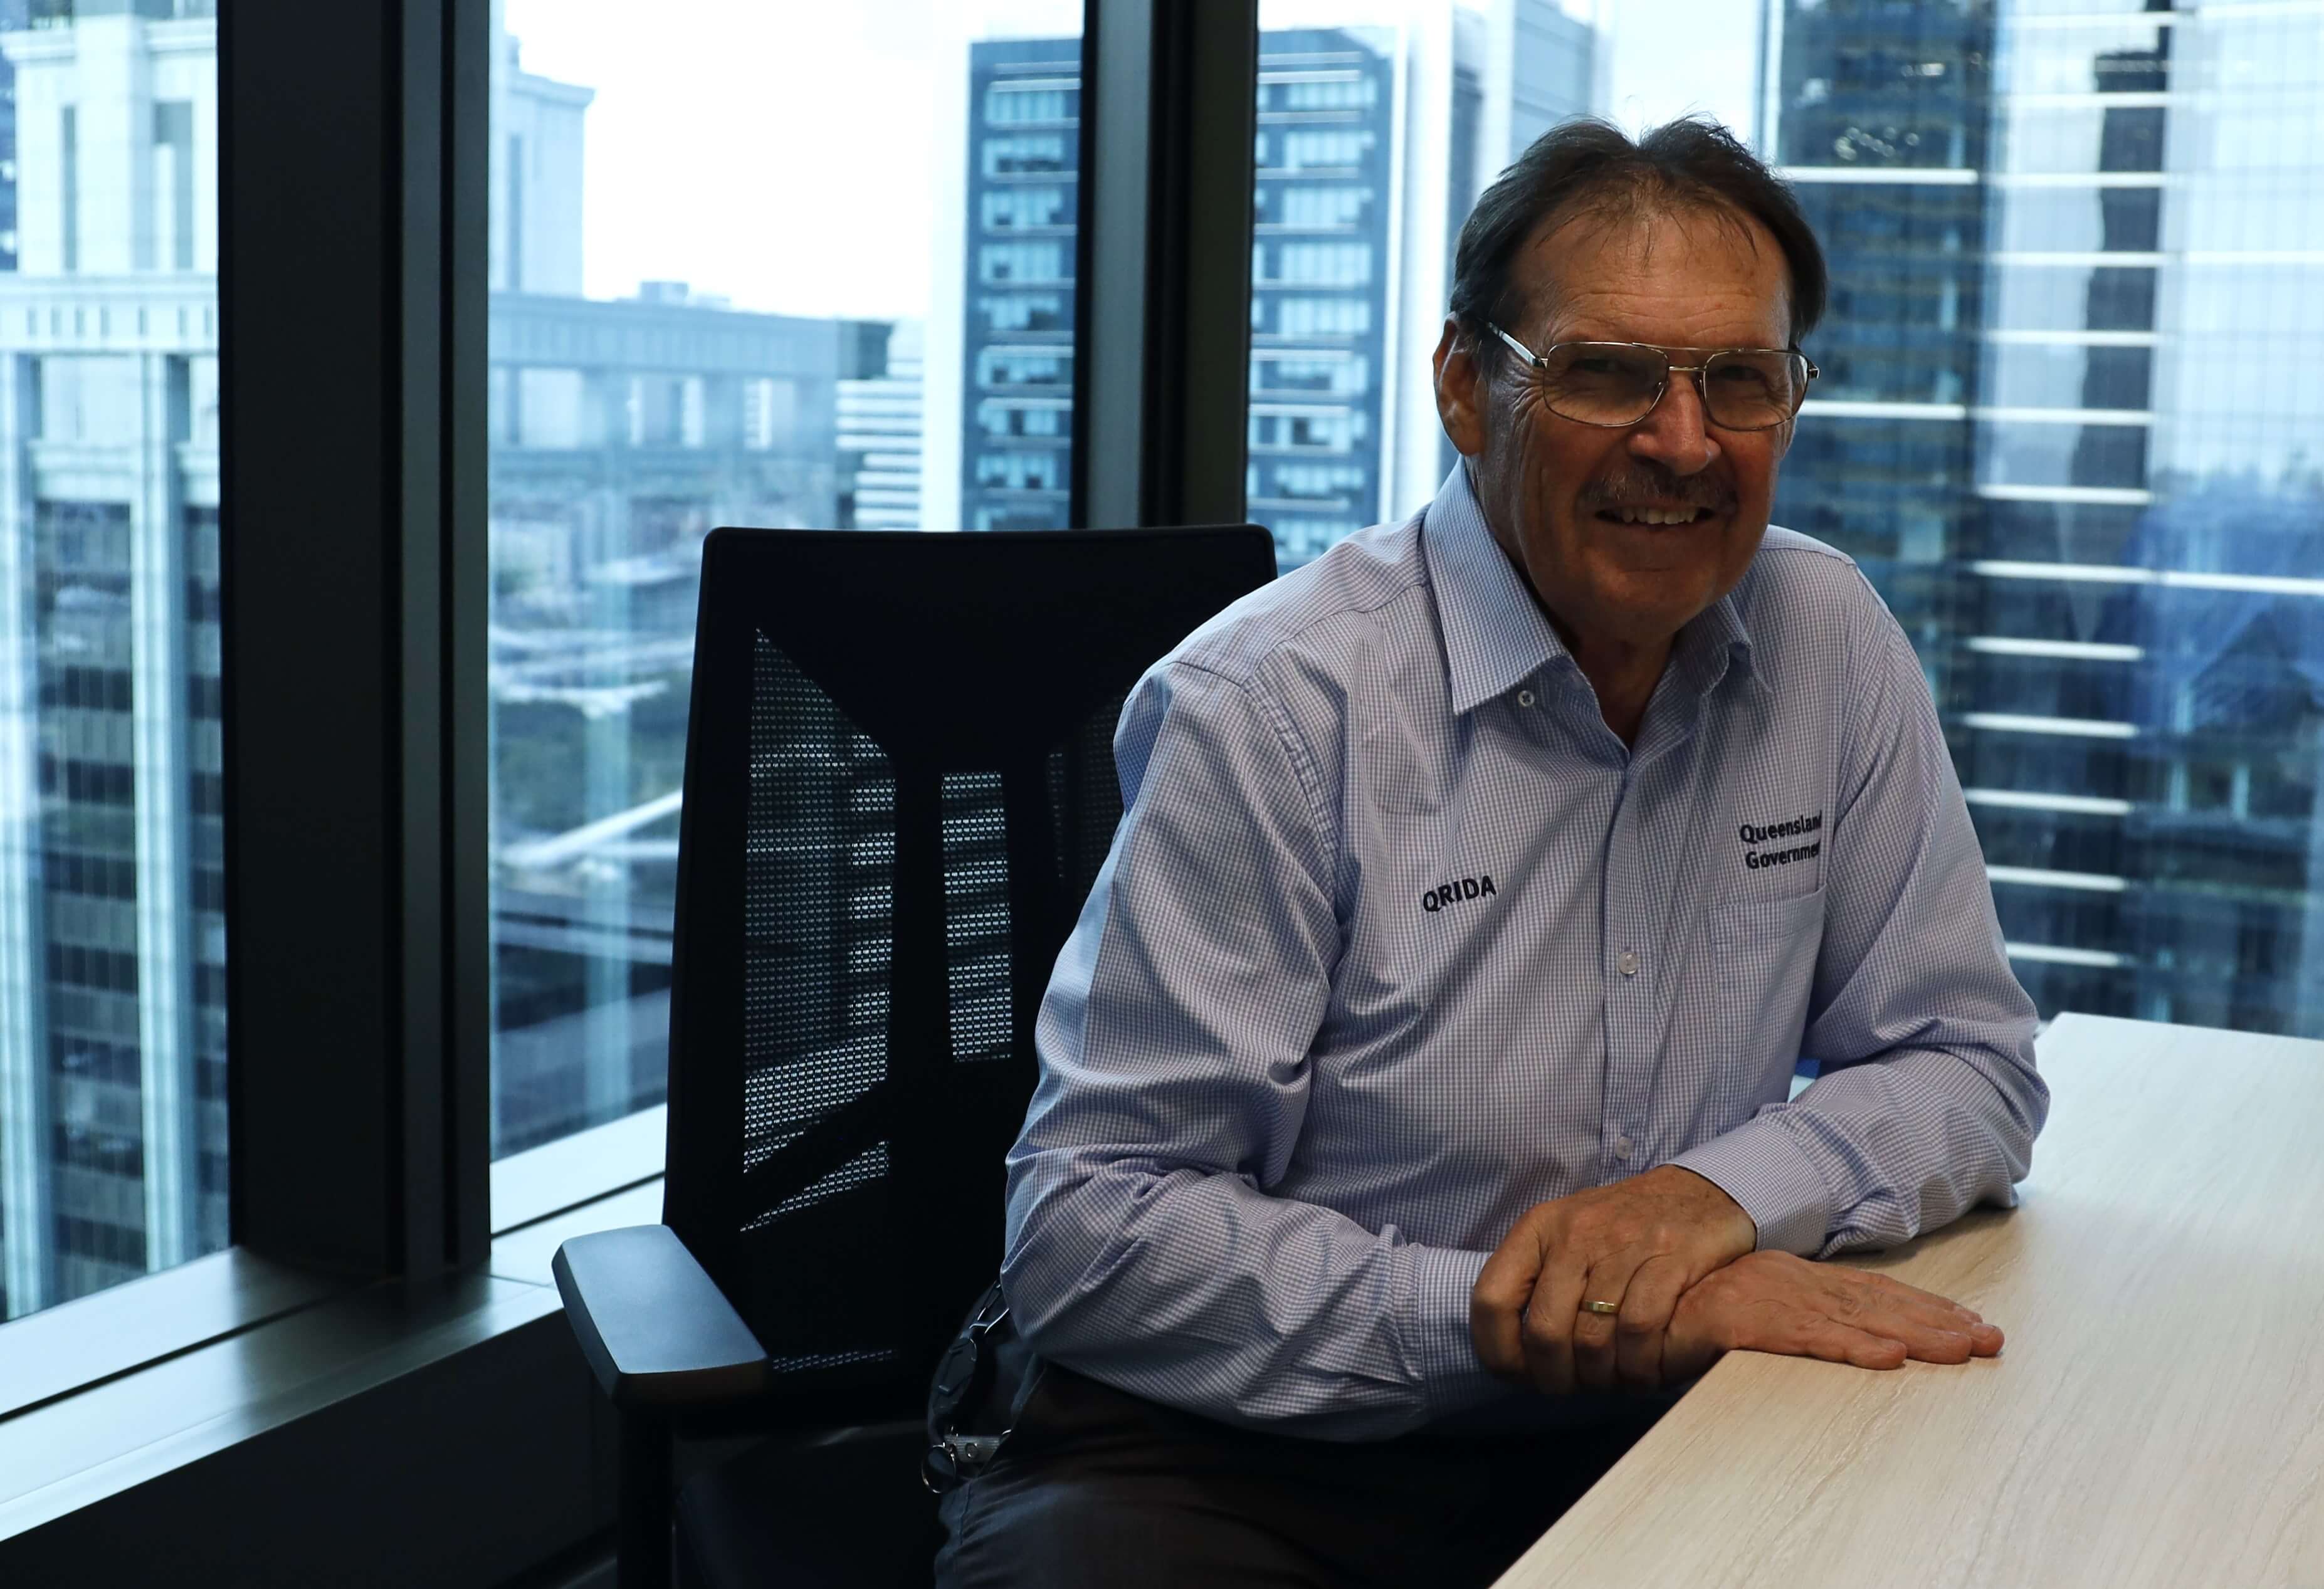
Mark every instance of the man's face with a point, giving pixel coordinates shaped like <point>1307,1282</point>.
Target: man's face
<point>1569,501</point>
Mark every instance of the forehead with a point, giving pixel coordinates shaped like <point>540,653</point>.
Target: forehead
<point>1690,277</point>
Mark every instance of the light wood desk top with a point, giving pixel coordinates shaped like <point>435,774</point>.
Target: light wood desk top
<point>2156,1417</point>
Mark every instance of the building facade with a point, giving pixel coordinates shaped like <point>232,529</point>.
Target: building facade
<point>112,1130</point>
<point>1321,285</point>
<point>881,410</point>
<point>2063,427</point>
<point>1016,362</point>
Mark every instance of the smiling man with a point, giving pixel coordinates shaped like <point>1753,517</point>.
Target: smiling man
<point>1414,1113</point>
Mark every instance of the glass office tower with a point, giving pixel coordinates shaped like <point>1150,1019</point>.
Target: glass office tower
<point>1024,161</point>
<point>2069,425</point>
<point>113,1043</point>
<point>1327,154</point>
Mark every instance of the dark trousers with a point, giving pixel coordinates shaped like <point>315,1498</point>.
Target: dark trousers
<point>1098,1487</point>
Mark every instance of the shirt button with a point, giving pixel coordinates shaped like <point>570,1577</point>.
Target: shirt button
<point>1622,1148</point>
<point>1627,962</point>
<point>1524,697</point>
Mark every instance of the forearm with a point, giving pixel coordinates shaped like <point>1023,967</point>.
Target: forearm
<point>1875,1154</point>
<point>1197,1290</point>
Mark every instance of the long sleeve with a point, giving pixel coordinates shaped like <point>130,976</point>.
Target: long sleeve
<point>1929,1102</point>
<point>1144,1248</point>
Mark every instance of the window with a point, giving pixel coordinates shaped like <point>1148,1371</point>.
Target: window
<point>1312,150</point>
<point>1015,208</point>
<point>865,339</point>
<point>1049,100</point>
<point>112,1040</point>
<point>1045,263</point>
<point>2103,526</point>
<point>1341,374</point>
<point>1312,210</point>
<point>1015,367</point>
<point>1042,153</point>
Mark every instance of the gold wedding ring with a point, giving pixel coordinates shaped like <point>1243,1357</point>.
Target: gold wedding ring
<point>1607,1309</point>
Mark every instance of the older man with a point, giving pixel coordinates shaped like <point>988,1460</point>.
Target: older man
<point>1416,1079</point>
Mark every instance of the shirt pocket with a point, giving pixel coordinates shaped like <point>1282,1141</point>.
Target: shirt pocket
<point>1763,959</point>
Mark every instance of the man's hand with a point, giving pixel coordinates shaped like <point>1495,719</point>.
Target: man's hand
<point>1640,1243</point>
<point>1775,1303</point>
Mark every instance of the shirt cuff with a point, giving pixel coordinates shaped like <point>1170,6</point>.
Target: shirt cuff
<point>1761,1166</point>
<point>1435,1330</point>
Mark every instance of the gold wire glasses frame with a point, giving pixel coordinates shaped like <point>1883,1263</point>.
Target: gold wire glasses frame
<point>1634,375</point>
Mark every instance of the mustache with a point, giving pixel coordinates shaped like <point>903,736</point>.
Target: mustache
<point>1645,480</point>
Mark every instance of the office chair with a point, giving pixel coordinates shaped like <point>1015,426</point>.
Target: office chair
<point>899,786</point>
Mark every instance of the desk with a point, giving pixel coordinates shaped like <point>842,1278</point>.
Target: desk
<point>2156,1417</point>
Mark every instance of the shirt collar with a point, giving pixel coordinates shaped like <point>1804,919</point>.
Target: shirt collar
<point>1494,633</point>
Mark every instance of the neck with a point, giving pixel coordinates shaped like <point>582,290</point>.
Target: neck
<point>1623,674</point>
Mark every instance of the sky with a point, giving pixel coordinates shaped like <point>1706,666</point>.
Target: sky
<point>785,152</point>
<point>781,152</point>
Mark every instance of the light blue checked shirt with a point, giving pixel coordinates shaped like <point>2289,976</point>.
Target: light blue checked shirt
<point>1398,938</point>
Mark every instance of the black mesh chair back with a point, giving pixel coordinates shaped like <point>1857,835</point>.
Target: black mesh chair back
<point>899,786</point>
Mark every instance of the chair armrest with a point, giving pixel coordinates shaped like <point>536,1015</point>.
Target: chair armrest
<point>656,1330</point>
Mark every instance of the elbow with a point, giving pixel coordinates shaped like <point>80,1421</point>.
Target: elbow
<point>2025,1098</point>
<point>1060,1254</point>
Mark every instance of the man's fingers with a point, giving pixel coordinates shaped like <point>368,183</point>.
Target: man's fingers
<point>1835,1342</point>
<point>1549,1322</point>
<point>1943,1339</point>
<point>1890,1284</point>
<point>1498,1303</point>
<point>1595,1334</point>
<point>1927,1323</point>
<point>1648,1307</point>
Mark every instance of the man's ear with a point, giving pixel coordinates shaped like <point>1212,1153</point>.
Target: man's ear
<point>1459,390</point>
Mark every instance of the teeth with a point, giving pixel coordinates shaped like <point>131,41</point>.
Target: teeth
<point>1655,515</point>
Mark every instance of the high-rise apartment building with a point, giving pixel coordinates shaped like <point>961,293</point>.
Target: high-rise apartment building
<point>2063,425</point>
<point>113,1130</point>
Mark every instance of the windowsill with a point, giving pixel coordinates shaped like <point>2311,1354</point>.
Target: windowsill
<point>577,1169</point>
<point>82,1342</point>
<point>543,1194</point>
<point>322,1344</point>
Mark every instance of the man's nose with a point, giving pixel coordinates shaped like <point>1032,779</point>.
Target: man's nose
<point>1677,433</point>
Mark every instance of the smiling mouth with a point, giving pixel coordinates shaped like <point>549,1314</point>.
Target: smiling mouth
<point>1657,516</point>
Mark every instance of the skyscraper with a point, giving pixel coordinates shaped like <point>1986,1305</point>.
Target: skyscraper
<point>1017,375</point>
<point>880,423</point>
<point>113,1130</point>
<point>1321,284</point>
<point>2062,426</point>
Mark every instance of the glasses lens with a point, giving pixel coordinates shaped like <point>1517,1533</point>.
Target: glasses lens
<point>1753,390</point>
<point>1602,382</point>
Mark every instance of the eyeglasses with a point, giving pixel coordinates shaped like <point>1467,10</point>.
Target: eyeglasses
<point>1616,383</point>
